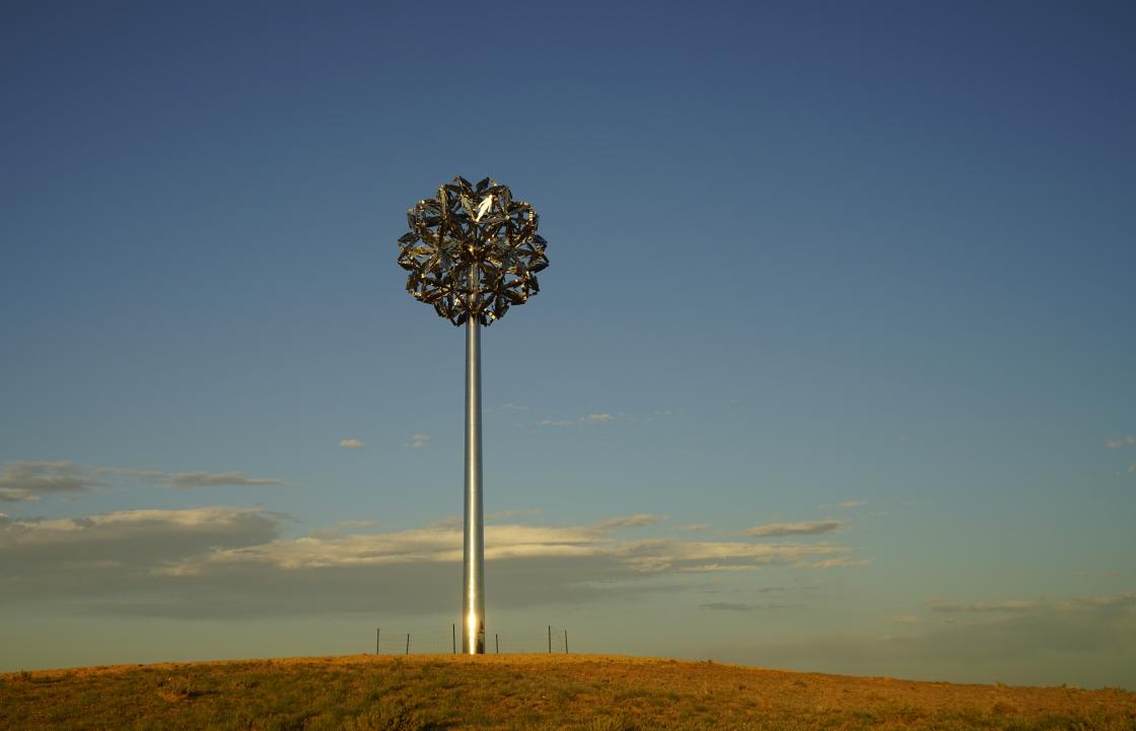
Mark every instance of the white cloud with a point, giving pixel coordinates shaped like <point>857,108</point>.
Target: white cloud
<point>351,443</point>
<point>599,418</point>
<point>693,526</point>
<point>442,542</point>
<point>419,440</point>
<point>226,562</point>
<point>808,528</point>
<point>1127,440</point>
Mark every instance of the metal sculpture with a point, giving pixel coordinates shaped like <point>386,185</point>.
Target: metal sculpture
<point>472,253</point>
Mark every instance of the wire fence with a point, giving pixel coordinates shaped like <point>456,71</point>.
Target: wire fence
<point>395,641</point>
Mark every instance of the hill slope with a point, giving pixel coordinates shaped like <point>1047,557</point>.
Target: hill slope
<point>601,693</point>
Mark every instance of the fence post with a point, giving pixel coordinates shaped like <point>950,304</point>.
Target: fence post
<point>407,643</point>
<point>454,639</point>
<point>550,639</point>
<point>565,642</point>
<point>497,642</point>
<point>378,633</point>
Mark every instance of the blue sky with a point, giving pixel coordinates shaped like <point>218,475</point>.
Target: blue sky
<point>860,272</point>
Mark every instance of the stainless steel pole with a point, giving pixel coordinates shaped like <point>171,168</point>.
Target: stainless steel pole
<point>473,585</point>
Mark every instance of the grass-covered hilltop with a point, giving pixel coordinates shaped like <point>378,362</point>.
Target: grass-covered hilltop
<point>527,692</point>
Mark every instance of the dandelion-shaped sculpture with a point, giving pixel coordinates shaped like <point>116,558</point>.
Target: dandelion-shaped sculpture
<point>472,253</point>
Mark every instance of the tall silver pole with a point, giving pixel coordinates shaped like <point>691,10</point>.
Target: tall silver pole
<point>451,238</point>
<point>473,584</point>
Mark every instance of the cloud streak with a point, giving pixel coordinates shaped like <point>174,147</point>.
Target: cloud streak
<point>637,520</point>
<point>1012,606</point>
<point>189,480</point>
<point>28,481</point>
<point>744,607</point>
<point>1033,606</point>
<point>597,417</point>
<point>808,528</point>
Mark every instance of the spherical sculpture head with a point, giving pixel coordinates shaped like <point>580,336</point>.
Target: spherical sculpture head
<point>472,252</point>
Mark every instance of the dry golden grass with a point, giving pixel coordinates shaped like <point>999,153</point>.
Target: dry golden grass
<point>594,692</point>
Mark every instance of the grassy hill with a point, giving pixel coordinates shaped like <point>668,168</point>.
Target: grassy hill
<point>599,693</point>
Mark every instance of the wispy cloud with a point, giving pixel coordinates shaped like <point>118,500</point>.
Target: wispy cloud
<point>807,528</point>
<point>1127,440</point>
<point>351,443</point>
<point>419,440</point>
<point>1126,599</point>
<point>596,417</point>
<point>189,480</point>
<point>1009,605</point>
<point>31,480</point>
<point>1004,607</point>
<point>693,526</point>
<point>345,527</point>
<point>637,520</point>
<point>449,523</point>
<point>844,505</point>
<point>520,513</point>
<point>744,607</point>
<point>118,534</point>
<point>839,562</point>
